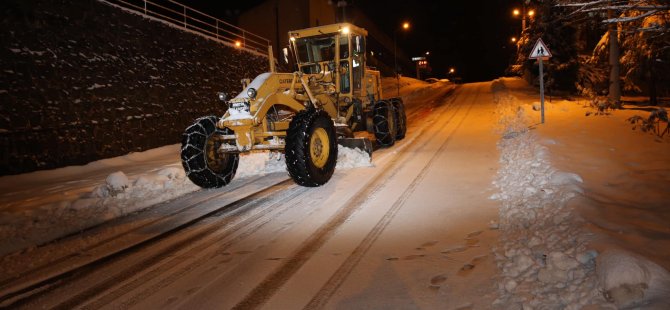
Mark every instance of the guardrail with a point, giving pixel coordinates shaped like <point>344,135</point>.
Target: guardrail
<point>191,19</point>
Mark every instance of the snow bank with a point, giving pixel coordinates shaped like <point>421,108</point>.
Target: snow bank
<point>544,260</point>
<point>117,193</point>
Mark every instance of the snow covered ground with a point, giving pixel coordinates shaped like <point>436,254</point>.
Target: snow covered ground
<point>584,218</point>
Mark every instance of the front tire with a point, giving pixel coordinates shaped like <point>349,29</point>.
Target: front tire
<point>384,120</point>
<point>311,148</point>
<point>203,164</point>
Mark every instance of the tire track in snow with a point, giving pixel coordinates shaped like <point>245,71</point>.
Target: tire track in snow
<point>332,285</point>
<point>229,213</point>
<point>245,228</point>
<point>273,282</point>
<point>115,241</point>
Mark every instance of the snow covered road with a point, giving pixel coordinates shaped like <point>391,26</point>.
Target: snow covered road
<point>414,226</point>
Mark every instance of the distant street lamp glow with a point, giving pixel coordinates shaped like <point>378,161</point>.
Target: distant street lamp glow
<point>524,12</point>
<point>405,26</point>
<point>428,53</point>
<point>238,44</point>
<point>345,30</point>
<point>513,39</point>
<point>452,70</point>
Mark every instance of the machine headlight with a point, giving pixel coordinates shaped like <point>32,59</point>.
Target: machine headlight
<point>251,92</point>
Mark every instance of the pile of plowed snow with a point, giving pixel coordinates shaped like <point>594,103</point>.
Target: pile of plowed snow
<point>545,260</point>
<point>120,193</point>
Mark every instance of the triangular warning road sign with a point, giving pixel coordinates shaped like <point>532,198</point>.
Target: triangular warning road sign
<point>540,50</point>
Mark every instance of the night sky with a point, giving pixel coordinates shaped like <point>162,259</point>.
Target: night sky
<point>471,36</point>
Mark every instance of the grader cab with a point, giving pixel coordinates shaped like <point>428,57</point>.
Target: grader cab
<point>304,114</point>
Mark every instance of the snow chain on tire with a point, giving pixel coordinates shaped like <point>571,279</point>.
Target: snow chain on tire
<point>203,164</point>
<point>384,121</point>
<point>311,132</point>
<point>401,117</point>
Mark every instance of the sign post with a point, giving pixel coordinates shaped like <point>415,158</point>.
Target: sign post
<point>541,53</point>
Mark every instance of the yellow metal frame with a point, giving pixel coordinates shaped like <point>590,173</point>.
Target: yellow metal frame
<point>293,92</point>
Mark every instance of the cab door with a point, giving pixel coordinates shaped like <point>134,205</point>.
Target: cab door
<point>345,65</point>
<point>358,63</point>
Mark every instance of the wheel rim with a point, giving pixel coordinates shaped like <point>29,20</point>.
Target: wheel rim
<point>215,161</point>
<point>319,147</point>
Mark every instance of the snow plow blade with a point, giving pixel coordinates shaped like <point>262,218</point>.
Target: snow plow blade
<point>363,144</point>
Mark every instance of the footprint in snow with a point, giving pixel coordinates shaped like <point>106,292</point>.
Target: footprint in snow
<point>192,290</point>
<point>171,300</point>
<point>413,256</point>
<point>427,245</point>
<point>467,268</point>
<point>438,279</point>
<point>455,249</point>
<point>478,259</point>
<point>474,234</point>
<point>467,306</point>
<point>471,242</point>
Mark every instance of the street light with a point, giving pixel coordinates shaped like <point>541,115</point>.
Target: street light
<point>530,13</point>
<point>513,40</point>
<point>405,26</point>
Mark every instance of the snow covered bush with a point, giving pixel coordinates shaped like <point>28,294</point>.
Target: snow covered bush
<point>654,123</point>
<point>602,106</point>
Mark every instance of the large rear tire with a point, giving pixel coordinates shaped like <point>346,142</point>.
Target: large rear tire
<point>384,120</point>
<point>205,166</point>
<point>401,118</point>
<point>311,148</point>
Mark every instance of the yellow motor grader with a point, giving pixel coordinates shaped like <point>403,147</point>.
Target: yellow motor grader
<point>304,114</point>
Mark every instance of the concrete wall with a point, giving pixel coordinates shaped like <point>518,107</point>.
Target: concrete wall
<point>81,80</point>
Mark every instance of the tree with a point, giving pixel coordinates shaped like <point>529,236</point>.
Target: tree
<point>628,16</point>
<point>562,68</point>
